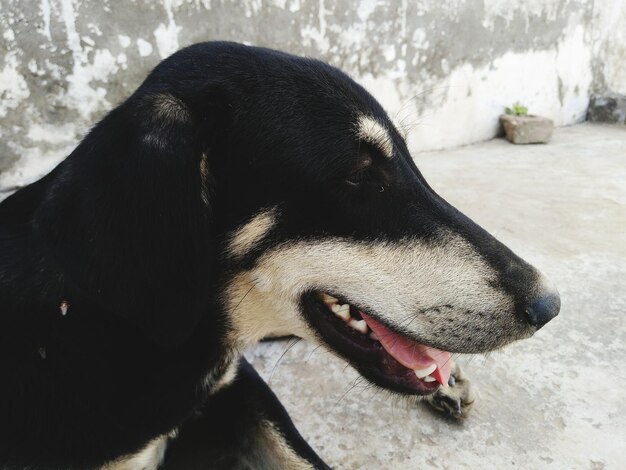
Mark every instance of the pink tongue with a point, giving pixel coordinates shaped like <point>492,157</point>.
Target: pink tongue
<point>411,354</point>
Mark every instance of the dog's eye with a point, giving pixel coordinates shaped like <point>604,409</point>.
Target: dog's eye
<point>363,168</point>
<point>363,178</point>
<point>365,171</point>
<point>357,178</point>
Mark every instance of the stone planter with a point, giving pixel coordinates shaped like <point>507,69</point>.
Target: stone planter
<point>527,129</point>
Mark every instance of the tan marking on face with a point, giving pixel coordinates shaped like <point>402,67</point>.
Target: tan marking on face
<point>246,237</point>
<point>400,282</point>
<point>374,133</point>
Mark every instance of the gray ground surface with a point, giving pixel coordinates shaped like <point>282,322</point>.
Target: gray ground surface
<point>556,401</point>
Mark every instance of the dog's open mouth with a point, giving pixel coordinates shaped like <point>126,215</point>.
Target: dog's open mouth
<point>386,357</point>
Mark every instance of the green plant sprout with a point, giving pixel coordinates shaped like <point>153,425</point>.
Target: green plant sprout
<point>517,110</point>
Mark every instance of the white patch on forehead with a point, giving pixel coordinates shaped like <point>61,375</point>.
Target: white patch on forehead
<point>374,133</point>
<point>246,237</point>
<point>396,281</point>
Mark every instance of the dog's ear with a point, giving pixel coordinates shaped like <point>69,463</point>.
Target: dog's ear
<point>129,216</point>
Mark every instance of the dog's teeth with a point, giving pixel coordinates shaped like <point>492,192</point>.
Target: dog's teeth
<point>342,311</point>
<point>344,314</point>
<point>429,378</point>
<point>328,299</point>
<point>373,336</point>
<point>358,325</point>
<point>425,372</point>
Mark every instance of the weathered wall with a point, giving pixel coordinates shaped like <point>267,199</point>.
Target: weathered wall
<point>608,98</point>
<point>443,68</point>
<point>609,35</point>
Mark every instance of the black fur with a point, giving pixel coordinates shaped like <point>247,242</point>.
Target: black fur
<point>232,419</point>
<point>120,231</point>
<point>130,232</point>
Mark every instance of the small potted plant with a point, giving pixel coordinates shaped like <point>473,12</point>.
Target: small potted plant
<point>523,128</point>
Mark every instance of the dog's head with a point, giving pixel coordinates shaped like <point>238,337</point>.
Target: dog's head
<point>281,185</point>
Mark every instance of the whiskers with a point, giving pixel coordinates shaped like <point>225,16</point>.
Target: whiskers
<point>290,344</point>
<point>410,115</point>
<point>420,109</point>
<point>253,284</point>
<point>313,351</point>
<point>360,384</point>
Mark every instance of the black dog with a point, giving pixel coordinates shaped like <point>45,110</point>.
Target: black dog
<point>239,192</point>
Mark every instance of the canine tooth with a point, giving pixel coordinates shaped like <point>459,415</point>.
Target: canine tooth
<point>358,325</point>
<point>328,299</point>
<point>373,336</point>
<point>342,311</point>
<point>421,373</point>
<point>429,378</point>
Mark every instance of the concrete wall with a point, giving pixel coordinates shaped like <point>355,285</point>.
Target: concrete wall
<point>609,36</point>
<point>444,69</point>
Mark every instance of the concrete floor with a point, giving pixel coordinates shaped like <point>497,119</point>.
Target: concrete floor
<point>556,401</point>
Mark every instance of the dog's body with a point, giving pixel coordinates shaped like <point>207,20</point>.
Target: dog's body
<point>239,192</point>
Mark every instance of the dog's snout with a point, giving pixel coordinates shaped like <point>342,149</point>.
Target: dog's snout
<point>543,308</point>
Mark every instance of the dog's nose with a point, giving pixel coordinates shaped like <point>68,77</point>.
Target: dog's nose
<point>543,308</point>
